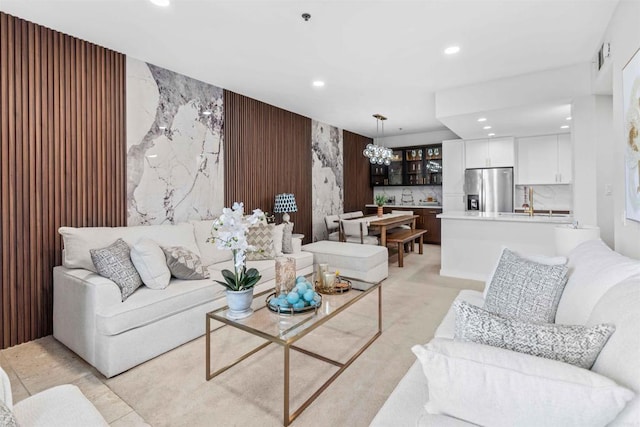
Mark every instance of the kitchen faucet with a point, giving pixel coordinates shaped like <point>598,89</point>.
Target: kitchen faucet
<point>529,209</point>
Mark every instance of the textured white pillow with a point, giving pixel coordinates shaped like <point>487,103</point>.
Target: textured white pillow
<point>148,258</point>
<point>593,269</point>
<point>542,259</point>
<point>492,386</point>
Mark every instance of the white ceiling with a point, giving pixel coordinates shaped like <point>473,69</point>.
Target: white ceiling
<point>375,56</point>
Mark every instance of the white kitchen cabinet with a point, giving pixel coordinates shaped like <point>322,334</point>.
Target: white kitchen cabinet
<point>565,159</point>
<point>453,165</point>
<point>489,153</point>
<point>544,160</point>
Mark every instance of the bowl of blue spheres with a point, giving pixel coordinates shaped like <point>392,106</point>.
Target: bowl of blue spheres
<point>301,299</point>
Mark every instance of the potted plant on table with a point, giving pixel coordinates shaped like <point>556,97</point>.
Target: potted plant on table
<point>380,199</point>
<point>231,233</point>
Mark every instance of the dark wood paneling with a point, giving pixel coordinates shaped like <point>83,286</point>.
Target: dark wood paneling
<point>62,125</point>
<point>357,189</point>
<point>267,151</point>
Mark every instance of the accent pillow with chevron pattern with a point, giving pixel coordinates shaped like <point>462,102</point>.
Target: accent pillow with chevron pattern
<point>260,236</point>
<point>184,264</point>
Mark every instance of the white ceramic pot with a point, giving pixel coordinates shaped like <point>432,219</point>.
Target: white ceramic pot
<point>239,303</point>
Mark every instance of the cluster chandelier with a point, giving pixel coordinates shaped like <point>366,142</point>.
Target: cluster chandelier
<point>378,154</point>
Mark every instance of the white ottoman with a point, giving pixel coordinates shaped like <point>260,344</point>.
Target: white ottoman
<point>362,262</point>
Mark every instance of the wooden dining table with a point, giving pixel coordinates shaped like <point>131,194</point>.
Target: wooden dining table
<point>387,221</point>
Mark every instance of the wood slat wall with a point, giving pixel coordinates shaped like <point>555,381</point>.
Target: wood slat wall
<point>357,188</point>
<point>267,151</point>
<point>62,161</point>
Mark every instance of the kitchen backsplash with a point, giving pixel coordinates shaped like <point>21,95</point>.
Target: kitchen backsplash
<point>410,195</point>
<point>555,197</point>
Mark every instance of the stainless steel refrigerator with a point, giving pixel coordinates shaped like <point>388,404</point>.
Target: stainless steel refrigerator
<point>489,190</point>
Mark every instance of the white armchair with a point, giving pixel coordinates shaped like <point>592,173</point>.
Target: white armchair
<point>63,406</point>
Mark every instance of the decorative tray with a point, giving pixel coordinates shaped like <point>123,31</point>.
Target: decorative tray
<point>317,302</point>
<point>342,285</point>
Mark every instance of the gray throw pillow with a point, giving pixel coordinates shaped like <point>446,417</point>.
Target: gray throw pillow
<point>184,264</point>
<point>574,344</point>
<point>526,290</point>
<point>260,236</point>
<point>287,244</point>
<point>114,263</point>
<point>6,416</point>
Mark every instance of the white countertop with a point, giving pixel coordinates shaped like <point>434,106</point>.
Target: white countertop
<point>511,217</point>
<point>407,206</point>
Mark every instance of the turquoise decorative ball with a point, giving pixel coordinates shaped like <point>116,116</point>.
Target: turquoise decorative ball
<point>293,297</point>
<point>308,296</point>
<point>298,305</point>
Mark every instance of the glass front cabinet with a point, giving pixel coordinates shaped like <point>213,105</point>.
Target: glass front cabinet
<point>411,166</point>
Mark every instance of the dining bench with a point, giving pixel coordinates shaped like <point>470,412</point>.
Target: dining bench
<point>402,237</point>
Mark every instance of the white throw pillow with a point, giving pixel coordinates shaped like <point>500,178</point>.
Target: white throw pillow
<point>593,269</point>
<point>149,260</point>
<point>492,386</point>
<point>209,252</point>
<point>542,259</point>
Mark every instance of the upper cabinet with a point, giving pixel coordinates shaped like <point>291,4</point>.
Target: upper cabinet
<point>411,166</point>
<point>489,153</point>
<point>544,160</point>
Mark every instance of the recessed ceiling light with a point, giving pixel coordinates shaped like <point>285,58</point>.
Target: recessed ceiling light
<point>207,113</point>
<point>482,119</point>
<point>452,50</point>
<point>569,118</point>
<point>161,3</point>
<point>152,156</point>
<point>486,127</point>
<point>491,134</point>
<point>318,83</point>
<point>564,127</point>
<point>162,127</point>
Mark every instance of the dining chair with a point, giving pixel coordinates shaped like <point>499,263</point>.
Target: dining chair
<point>356,232</point>
<point>332,224</point>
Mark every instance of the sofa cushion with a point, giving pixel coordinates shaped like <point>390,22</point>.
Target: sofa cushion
<point>353,256</point>
<point>287,234</point>
<point>524,289</point>
<point>209,252</point>
<point>114,263</point>
<point>620,360</point>
<point>149,259</point>
<point>78,241</point>
<point>593,270</point>
<point>147,305</point>
<point>6,416</point>
<point>278,236</point>
<point>184,264</point>
<point>575,344</point>
<point>492,386</point>
<point>447,327</point>
<point>542,259</point>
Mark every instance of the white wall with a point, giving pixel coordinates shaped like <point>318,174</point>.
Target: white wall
<point>605,170</point>
<point>624,34</point>
<point>424,138</point>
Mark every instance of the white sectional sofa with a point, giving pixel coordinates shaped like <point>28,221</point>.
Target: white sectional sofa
<point>603,287</point>
<point>91,319</point>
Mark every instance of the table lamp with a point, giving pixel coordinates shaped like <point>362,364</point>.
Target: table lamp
<point>285,203</point>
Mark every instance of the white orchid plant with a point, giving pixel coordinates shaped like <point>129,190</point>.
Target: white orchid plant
<point>231,233</point>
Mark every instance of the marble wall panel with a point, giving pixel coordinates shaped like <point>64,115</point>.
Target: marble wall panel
<point>554,197</point>
<point>327,175</point>
<point>418,193</point>
<point>174,146</point>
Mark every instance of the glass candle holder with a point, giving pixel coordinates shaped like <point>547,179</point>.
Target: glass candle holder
<point>285,275</point>
<point>322,268</point>
<point>329,280</point>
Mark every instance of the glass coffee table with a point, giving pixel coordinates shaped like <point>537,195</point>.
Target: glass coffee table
<point>268,325</point>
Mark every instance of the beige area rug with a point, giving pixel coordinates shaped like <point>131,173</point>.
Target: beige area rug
<point>171,390</point>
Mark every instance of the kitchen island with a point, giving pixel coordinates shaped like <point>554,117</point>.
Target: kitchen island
<point>472,241</point>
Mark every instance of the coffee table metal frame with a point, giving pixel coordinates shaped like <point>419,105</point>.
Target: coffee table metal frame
<point>307,325</point>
